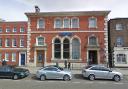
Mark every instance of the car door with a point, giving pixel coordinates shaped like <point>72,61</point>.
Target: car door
<point>103,72</point>
<point>8,72</point>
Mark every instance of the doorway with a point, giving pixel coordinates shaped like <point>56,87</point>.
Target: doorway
<point>40,58</point>
<point>92,57</point>
<point>22,60</point>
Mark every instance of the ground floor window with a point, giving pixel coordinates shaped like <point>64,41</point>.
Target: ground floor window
<point>65,48</point>
<point>121,58</point>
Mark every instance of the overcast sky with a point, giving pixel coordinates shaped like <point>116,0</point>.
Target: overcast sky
<point>13,10</point>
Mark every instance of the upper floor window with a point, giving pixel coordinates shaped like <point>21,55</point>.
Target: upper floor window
<point>22,29</point>
<point>92,40</point>
<point>0,29</point>
<point>14,29</point>
<point>75,23</point>
<point>8,29</point>
<point>13,56</point>
<point>58,23</point>
<point>7,42</point>
<point>40,41</point>
<point>41,23</point>
<point>66,22</point>
<point>0,42</point>
<point>92,22</point>
<point>22,42</point>
<point>119,27</point>
<point>119,41</point>
<point>14,42</point>
<point>7,56</point>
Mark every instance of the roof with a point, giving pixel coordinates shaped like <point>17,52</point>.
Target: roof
<point>71,13</point>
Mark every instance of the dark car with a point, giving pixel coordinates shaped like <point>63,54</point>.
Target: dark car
<point>13,72</point>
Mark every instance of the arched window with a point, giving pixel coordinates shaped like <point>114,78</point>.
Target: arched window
<point>75,23</point>
<point>58,23</point>
<point>40,41</point>
<point>41,23</point>
<point>75,49</point>
<point>57,48</point>
<point>92,22</point>
<point>92,40</point>
<point>66,48</point>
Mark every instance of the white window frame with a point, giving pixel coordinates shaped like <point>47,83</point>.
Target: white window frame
<point>121,62</point>
<point>38,23</point>
<point>55,23</point>
<point>92,24</point>
<point>14,42</point>
<point>21,42</point>
<point>7,42</point>
<point>13,57</point>
<point>37,41</point>
<point>119,27</point>
<point>72,26</point>
<point>6,56</point>
<point>8,29</point>
<point>22,29</point>
<point>66,25</point>
<point>14,29</point>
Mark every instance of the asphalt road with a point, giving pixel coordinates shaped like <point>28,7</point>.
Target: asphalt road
<point>76,83</point>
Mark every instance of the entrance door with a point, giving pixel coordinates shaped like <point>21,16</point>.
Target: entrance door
<point>22,59</point>
<point>40,58</point>
<point>92,57</point>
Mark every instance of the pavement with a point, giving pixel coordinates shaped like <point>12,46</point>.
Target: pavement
<point>124,71</point>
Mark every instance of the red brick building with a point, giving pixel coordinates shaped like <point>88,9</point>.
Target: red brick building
<point>13,42</point>
<point>78,37</point>
<point>49,37</point>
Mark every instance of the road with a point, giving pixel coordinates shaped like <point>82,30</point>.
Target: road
<point>76,83</point>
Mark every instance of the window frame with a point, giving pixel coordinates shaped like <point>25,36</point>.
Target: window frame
<point>38,23</point>
<point>56,24</point>
<point>76,23</point>
<point>92,22</point>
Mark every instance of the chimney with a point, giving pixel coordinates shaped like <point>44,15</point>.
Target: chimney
<point>37,9</point>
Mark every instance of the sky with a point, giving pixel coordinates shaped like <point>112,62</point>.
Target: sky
<point>13,10</point>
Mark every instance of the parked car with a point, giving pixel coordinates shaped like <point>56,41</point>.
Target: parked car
<point>53,72</point>
<point>101,72</point>
<point>13,72</point>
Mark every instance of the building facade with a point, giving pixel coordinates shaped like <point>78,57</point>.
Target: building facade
<point>118,43</point>
<point>13,42</point>
<point>80,37</point>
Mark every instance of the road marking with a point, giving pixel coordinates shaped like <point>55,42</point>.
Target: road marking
<point>75,82</point>
<point>118,83</point>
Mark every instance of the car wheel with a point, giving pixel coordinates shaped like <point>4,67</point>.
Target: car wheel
<point>15,77</point>
<point>42,77</point>
<point>91,77</point>
<point>66,78</point>
<point>116,78</point>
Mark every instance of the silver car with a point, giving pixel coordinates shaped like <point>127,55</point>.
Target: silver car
<point>51,72</point>
<point>101,72</point>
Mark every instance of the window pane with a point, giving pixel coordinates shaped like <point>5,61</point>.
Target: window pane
<point>57,48</point>
<point>22,29</point>
<point>92,22</point>
<point>14,29</point>
<point>75,49</point>
<point>7,42</point>
<point>14,42</point>
<point>8,29</point>
<point>21,42</point>
<point>41,23</point>
<point>66,48</point>
<point>13,56</point>
<point>0,56</point>
<point>6,56</point>
<point>121,58</point>
<point>119,26</point>
<point>75,23</point>
<point>119,41</point>
<point>0,29</point>
<point>66,23</point>
<point>92,41</point>
<point>40,41</point>
<point>58,23</point>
